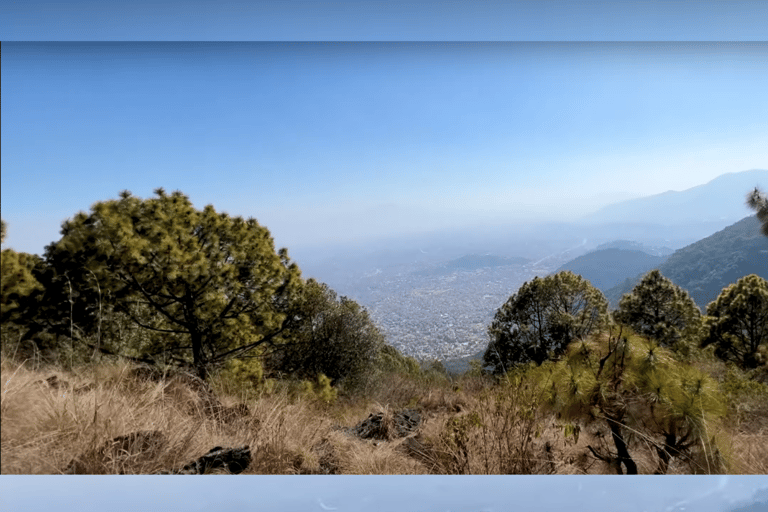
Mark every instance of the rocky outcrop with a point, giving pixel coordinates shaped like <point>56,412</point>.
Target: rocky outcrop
<point>232,460</point>
<point>385,427</point>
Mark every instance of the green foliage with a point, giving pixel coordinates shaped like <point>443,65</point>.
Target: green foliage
<point>245,374</point>
<point>434,371</point>
<point>209,277</point>
<point>330,335</point>
<point>323,389</point>
<point>3,229</point>
<point>542,318</point>
<point>16,282</point>
<point>475,368</point>
<point>641,392</point>
<point>659,309</point>
<point>392,361</point>
<point>737,322</point>
<point>758,201</point>
<point>738,387</point>
<point>319,391</point>
<point>705,267</point>
<point>457,436</point>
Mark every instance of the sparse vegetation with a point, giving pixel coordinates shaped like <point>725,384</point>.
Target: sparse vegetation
<point>553,418</point>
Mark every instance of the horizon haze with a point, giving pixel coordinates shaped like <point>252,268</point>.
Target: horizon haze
<point>350,143</point>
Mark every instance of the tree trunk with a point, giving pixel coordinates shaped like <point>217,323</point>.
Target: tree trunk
<point>621,447</point>
<point>198,355</point>
<point>665,453</point>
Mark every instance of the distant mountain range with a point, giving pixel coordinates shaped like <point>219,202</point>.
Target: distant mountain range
<point>721,200</point>
<point>705,267</point>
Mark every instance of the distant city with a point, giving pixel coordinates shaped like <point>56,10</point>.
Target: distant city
<point>442,315</point>
<point>437,303</point>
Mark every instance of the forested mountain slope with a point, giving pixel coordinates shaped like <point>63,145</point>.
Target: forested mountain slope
<point>705,267</point>
<point>608,267</point>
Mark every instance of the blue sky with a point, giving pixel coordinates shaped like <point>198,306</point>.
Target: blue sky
<point>329,142</point>
<point>384,20</point>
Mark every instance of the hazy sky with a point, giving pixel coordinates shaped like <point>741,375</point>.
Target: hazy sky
<point>324,142</point>
<point>377,494</point>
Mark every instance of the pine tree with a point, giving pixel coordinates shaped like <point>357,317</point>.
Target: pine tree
<point>661,310</point>
<point>16,280</point>
<point>759,202</point>
<point>646,398</point>
<point>209,277</point>
<point>542,318</point>
<point>737,322</point>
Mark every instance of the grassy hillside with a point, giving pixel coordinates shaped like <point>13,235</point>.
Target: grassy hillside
<point>471,424</point>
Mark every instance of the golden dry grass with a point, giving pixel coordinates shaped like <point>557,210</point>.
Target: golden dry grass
<point>469,426</point>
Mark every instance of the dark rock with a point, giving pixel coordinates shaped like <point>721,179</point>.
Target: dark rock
<point>234,460</point>
<point>117,455</point>
<point>53,382</point>
<point>382,427</point>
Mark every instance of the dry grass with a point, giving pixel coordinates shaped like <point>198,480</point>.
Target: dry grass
<point>469,426</point>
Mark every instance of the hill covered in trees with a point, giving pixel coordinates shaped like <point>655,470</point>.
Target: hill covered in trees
<point>705,267</point>
<point>606,268</point>
<point>631,245</point>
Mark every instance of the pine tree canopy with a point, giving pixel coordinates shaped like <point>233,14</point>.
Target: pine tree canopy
<point>758,201</point>
<point>214,278</point>
<point>542,318</point>
<point>17,282</point>
<point>659,309</point>
<point>737,322</point>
